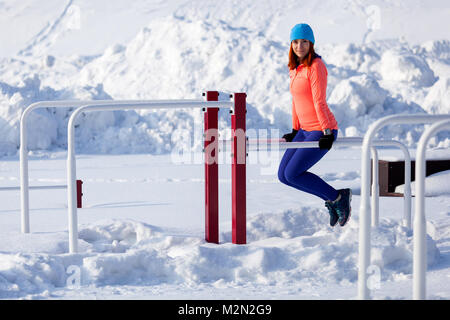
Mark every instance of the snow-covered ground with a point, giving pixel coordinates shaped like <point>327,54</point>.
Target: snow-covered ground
<point>141,233</point>
<point>141,228</point>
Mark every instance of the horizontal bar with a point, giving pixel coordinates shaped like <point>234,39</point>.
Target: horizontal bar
<point>282,144</point>
<point>279,141</point>
<point>71,158</point>
<point>158,105</point>
<point>79,103</point>
<point>34,187</point>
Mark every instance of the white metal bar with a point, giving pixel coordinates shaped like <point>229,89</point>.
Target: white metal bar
<point>33,188</point>
<point>71,161</point>
<point>357,141</point>
<point>375,188</point>
<point>23,152</point>
<point>282,144</point>
<point>420,231</point>
<point>407,190</point>
<point>364,221</point>
<point>47,187</point>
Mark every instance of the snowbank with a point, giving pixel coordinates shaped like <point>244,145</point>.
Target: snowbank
<point>437,100</point>
<point>437,184</point>
<point>47,127</point>
<point>284,247</point>
<point>406,67</point>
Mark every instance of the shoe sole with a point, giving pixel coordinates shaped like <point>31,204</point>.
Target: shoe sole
<point>333,225</point>
<point>350,212</point>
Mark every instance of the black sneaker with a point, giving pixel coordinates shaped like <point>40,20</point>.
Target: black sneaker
<point>332,211</point>
<point>343,207</point>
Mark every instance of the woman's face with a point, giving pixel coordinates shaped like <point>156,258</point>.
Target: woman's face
<point>300,48</point>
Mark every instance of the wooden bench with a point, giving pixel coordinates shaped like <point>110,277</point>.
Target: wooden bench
<point>392,174</point>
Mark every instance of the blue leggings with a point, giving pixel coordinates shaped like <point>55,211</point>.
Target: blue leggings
<point>295,162</point>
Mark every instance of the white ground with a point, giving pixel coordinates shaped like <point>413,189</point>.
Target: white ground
<point>142,228</point>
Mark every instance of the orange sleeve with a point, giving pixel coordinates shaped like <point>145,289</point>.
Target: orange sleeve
<point>318,78</point>
<point>295,121</point>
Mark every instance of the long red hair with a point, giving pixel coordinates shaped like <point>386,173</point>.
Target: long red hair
<point>307,61</point>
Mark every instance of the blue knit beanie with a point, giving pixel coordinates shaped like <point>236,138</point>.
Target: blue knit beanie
<point>302,31</point>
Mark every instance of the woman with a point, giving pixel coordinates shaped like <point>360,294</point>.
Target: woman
<point>312,120</point>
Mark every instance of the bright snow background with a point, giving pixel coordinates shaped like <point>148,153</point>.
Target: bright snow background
<point>380,60</point>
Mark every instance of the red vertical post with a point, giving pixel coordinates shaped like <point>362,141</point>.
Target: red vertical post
<point>211,149</point>
<point>79,193</point>
<point>238,169</point>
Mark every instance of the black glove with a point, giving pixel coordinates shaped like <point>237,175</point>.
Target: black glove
<point>326,141</point>
<point>290,136</point>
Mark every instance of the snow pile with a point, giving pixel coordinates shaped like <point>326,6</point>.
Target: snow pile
<point>284,247</point>
<point>437,99</point>
<point>356,102</point>
<point>406,67</point>
<point>177,57</point>
<point>47,127</point>
<point>437,184</point>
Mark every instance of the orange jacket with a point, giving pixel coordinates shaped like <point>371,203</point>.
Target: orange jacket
<point>309,92</point>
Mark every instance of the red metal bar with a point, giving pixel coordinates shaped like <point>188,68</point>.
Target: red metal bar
<point>79,193</point>
<point>211,145</point>
<point>238,169</point>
